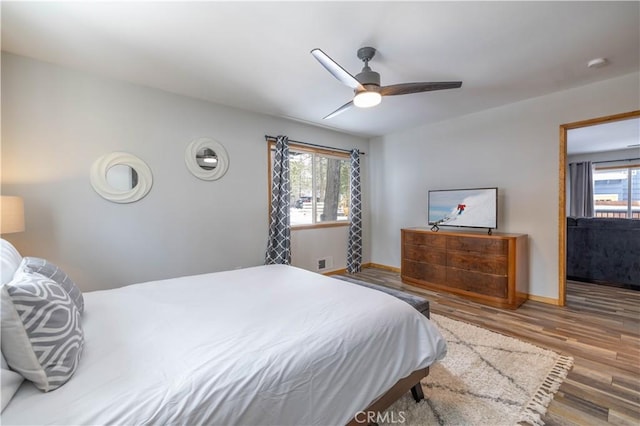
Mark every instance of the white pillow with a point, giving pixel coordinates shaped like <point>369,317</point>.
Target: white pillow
<point>10,260</point>
<point>11,381</point>
<point>42,336</point>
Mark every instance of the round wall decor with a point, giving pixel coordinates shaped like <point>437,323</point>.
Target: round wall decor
<point>121,177</point>
<point>206,159</point>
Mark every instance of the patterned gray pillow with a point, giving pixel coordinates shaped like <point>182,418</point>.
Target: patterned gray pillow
<point>42,336</point>
<point>49,270</point>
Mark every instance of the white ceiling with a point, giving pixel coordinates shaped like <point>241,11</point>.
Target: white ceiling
<point>255,56</point>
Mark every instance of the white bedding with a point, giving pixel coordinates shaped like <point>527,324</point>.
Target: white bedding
<point>270,345</point>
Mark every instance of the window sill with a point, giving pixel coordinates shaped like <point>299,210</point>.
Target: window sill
<point>319,225</point>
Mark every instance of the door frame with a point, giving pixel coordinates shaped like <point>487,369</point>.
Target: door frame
<point>562,199</point>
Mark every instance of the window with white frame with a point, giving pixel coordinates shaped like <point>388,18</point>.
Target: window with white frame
<point>319,186</point>
<point>616,191</point>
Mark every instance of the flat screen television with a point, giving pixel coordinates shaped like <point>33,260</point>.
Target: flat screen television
<point>470,208</point>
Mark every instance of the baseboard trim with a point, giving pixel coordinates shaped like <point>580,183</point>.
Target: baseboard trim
<point>380,266</point>
<point>542,299</point>
<point>364,265</point>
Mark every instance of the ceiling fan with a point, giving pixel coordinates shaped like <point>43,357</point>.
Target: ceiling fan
<point>366,84</point>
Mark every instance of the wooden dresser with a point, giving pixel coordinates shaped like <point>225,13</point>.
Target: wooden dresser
<point>490,269</point>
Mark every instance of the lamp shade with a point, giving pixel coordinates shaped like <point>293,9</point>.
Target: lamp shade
<point>11,214</point>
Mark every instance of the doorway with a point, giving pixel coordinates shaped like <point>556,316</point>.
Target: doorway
<point>562,202</point>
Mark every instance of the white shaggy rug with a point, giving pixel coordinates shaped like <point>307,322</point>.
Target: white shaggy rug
<point>485,379</point>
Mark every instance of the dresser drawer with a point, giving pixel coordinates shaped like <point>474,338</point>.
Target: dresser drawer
<point>488,264</point>
<point>480,245</point>
<point>420,254</point>
<point>436,274</point>
<point>425,239</point>
<point>476,282</point>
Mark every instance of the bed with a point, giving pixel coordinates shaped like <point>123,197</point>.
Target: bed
<point>268,345</point>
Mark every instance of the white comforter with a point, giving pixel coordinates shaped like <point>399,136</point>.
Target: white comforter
<point>270,345</point>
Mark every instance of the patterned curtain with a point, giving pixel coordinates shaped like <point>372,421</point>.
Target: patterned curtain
<point>354,249</point>
<point>279,244</point>
<point>581,189</point>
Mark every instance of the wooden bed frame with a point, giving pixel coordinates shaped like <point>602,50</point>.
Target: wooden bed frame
<point>411,382</point>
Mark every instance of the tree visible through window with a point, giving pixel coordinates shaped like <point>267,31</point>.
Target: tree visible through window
<point>319,186</point>
<point>616,192</point>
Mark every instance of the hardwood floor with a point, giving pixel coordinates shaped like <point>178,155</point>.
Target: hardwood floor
<point>599,327</point>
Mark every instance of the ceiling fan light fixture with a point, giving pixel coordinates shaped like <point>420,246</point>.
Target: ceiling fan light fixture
<point>367,99</point>
<point>366,84</point>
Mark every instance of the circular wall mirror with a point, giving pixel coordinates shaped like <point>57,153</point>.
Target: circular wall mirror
<point>121,177</point>
<point>206,159</point>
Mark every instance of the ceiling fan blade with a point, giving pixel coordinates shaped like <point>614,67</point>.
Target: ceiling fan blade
<point>407,88</point>
<point>336,70</point>
<point>340,110</point>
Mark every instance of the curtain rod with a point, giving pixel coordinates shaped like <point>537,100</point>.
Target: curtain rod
<point>615,161</point>
<point>273,138</point>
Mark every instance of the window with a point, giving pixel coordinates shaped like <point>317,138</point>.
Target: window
<point>319,186</point>
<point>616,192</point>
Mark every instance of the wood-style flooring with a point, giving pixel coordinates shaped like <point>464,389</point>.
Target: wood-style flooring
<point>599,328</point>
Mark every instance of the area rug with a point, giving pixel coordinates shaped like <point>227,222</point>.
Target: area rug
<point>485,379</point>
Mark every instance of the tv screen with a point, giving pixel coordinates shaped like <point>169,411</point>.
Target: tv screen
<point>474,208</point>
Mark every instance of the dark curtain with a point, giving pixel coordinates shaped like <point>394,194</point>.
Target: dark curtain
<point>581,189</point>
<point>354,248</point>
<point>279,244</point>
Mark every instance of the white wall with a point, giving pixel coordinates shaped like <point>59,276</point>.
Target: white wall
<point>56,122</point>
<point>321,243</point>
<point>515,147</point>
